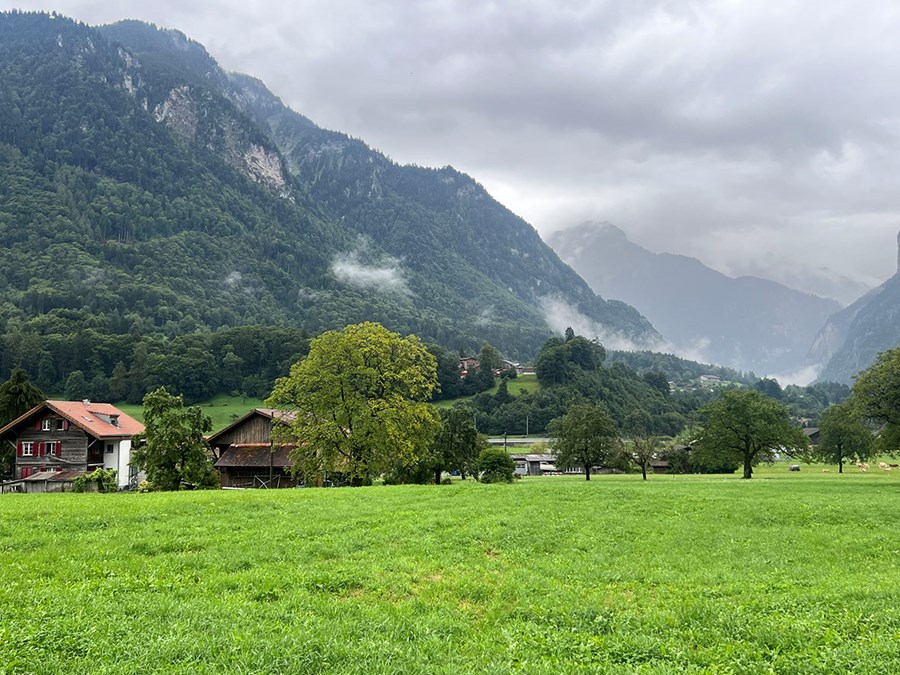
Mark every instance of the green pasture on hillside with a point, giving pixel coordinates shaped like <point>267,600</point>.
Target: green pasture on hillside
<point>222,410</point>
<point>787,573</point>
<point>515,386</point>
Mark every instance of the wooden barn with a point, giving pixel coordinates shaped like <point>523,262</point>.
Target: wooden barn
<point>246,455</point>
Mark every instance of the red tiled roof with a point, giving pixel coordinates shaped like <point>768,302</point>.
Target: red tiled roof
<point>93,418</point>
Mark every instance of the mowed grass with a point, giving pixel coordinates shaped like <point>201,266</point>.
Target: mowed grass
<point>222,410</point>
<point>787,573</point>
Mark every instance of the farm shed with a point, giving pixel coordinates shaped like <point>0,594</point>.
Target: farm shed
<point>246,455</point>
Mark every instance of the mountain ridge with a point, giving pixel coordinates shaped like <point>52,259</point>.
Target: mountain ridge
<point>145,151</point>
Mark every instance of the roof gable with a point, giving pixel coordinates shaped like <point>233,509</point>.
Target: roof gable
<point>266,413</point>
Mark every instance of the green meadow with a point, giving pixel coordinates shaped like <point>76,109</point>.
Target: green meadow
<point>222,410</point>
<point>787,573</point>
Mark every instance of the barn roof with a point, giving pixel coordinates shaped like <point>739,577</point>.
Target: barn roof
<point>255,454</point>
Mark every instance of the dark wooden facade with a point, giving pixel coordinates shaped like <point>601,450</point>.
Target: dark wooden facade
<point>245,455</point>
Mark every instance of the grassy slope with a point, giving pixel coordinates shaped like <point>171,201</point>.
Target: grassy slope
<point>790,572</point>
<point>223,410</point>
<point>515,387</point>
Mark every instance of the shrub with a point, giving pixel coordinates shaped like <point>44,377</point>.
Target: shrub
<point>496,466</point>
<point>146,486</point>
<point>105,479</point>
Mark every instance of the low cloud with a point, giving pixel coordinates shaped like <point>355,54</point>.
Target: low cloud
<point>801,377</point>
<point>560,315</point>
<point>383,276</point>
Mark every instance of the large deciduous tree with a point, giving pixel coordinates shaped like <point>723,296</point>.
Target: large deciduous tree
<point>585,436</point>
<point>843,436</point>
<point>360,401</point>
<point>748,426</point>
<point>172,449</point>
<point>876,394</point>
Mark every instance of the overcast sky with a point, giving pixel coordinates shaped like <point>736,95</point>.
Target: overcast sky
<point>758,136</point>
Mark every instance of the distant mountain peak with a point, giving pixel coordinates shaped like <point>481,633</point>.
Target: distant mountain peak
<point>747,322</point>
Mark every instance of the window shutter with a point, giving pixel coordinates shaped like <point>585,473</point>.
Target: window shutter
<point>65,425</point>
<point>37,425</point>
<point>58,448</point>
<point>41,448</point>
<point>19,449</point>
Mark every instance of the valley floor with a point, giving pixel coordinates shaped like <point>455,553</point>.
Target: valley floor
<point>788,573</point>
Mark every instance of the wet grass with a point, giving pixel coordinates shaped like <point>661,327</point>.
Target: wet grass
<point>788,573</point>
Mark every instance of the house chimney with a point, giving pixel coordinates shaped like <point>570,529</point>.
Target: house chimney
<point>86,401</point>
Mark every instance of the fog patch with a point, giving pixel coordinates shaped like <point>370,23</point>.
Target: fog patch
<point>485,317</point>
<point>801,377</point>
<point>560,315</point>
<point>382,276</point>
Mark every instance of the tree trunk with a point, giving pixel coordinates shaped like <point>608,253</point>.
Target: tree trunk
<point>748,468</point>
<point>840,466</point>
<point>644,471</point>
<point>437,476</point>
<point>587,471</point>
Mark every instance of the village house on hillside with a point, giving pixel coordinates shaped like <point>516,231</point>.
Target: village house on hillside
<point>246,455</point>
<point>56,441</point>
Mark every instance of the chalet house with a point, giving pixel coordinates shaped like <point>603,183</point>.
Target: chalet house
<point>246,455</point>
<point>71,438</point>
<point>467,363</point>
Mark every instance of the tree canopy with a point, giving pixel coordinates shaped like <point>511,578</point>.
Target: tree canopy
<point>843,436</point>
<point>360,401</point>
<point>585,436</point>
<point>172,450</point>
<point>876,393</point>
<point>749,426</point>
<point>17,396</point>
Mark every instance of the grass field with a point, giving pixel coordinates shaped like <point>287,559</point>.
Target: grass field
<point>223,410</point>
<point>787,573</point>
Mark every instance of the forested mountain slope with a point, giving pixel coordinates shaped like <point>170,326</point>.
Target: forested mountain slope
<point>853,337</point>
<point>746,323</point>
<point>143,191</point>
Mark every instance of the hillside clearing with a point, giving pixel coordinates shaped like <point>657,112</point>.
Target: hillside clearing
<point>787,572</point>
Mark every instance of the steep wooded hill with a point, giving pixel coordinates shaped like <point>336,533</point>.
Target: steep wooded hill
<point>143,189</point>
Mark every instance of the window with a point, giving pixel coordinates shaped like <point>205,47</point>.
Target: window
<point>50,447</point>
<point>45,425</point>
<point>110,448</point>
<point>60,425</point>
<point>27,448</point>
